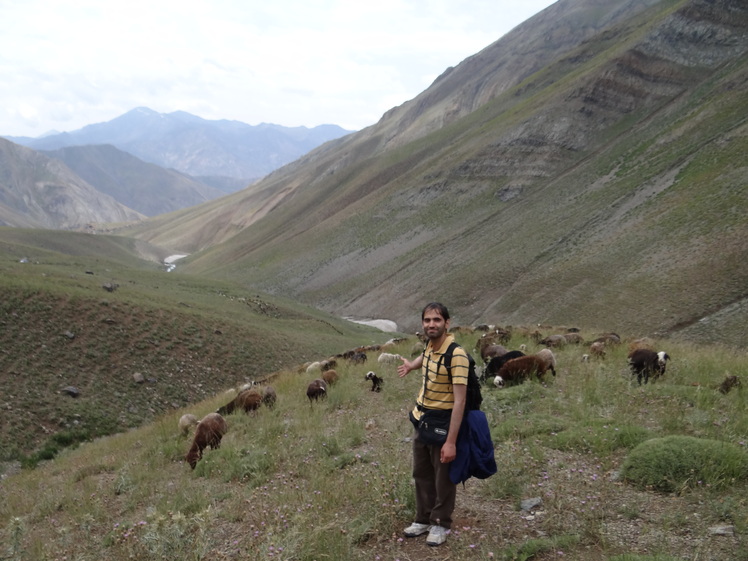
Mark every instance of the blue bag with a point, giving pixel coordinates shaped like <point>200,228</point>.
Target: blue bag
<point>475,452</point>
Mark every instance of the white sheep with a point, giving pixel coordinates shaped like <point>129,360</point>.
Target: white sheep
<point>269,396</point>
<point>186,422</point>
<point>246,386</point>
<point>547,356</point>
<point>316,365</point>
<point>597,349</point>
<point>389,358</point>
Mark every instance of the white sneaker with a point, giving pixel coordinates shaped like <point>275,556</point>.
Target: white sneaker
<point>437,535</point>
<point>416,529</point>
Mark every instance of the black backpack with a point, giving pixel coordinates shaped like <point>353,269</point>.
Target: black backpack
<point>473,399</point>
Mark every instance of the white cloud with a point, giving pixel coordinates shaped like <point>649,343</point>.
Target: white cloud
<point>290,62</point>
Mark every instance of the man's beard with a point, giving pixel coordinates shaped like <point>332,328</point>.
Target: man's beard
<point>434,334</point>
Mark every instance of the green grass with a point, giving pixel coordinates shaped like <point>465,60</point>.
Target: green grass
<point>306,481</point>
<point>189,338</point>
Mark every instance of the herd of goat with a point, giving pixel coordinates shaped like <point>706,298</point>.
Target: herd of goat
<point>210,429</point>
<point>503,366</point>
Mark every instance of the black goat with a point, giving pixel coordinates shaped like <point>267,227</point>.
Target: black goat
<point>376,381</point>
<point>645,363</point>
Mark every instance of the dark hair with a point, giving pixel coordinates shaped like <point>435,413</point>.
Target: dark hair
<point>438,307</point>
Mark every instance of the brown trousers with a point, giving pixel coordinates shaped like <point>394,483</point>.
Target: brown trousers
<point>435,492</point>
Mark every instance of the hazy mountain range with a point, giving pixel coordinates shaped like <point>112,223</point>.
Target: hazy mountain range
<point>198,147</point>
<point>156,163</point>
<point>588,167</point>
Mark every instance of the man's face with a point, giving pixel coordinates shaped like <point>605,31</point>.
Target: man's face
<point>434,325</point>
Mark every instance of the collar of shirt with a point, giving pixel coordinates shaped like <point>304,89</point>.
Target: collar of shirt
<point>443,349</point>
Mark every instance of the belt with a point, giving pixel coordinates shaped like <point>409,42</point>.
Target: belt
<point>423,409</point>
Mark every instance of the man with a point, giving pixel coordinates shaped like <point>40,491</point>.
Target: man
<point>435,492</point>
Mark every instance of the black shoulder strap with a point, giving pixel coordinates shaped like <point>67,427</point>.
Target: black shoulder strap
<point>447,356</point>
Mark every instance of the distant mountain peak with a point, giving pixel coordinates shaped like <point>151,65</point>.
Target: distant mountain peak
<point>197,146</point>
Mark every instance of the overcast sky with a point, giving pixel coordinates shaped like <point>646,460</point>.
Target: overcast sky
<point>65,65</point>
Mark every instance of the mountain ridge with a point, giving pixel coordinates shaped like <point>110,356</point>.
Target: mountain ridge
<point>197,146</point>
<point>610,175</point>
<point>587,142</point>
<point>41,192</point>
<point>104,155</point>
<point>145,187</point>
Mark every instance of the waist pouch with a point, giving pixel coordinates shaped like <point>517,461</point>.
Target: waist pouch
<point>433,426</point>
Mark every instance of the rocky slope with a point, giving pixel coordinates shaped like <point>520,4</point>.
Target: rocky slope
<point>41,192</point>
<point>573,190</point>
<point>147,188</point>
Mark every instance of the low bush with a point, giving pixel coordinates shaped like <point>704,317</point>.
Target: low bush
<point>673,463</point>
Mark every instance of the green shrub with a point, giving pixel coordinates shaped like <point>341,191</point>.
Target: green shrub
<point>673,463</point>
<point>94,426</point>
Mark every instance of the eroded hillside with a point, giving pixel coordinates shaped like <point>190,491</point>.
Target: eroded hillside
<point>94,341</point>
<point>601,188</point>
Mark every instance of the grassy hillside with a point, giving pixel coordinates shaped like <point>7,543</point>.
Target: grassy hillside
<point>332,479</point>
<point>605,189</point>
<point>142,186</point>
<point>41,192</point>
<point>88,312</point>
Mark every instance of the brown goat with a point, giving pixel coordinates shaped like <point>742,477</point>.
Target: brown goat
<point>487,352</point>
<point>643,343</point>
<point>520,369</point>
<point>573,338</point>
<point>248,400</point>
<point>330,376</point>
<point>496,337</point>
<point>610,339</point>
<point>209,432</point>
<point>554,341</point>
<point>317,389</point>
<point>495,364</point>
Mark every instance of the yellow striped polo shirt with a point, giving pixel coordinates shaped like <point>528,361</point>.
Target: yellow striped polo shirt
<point>439,394</point>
